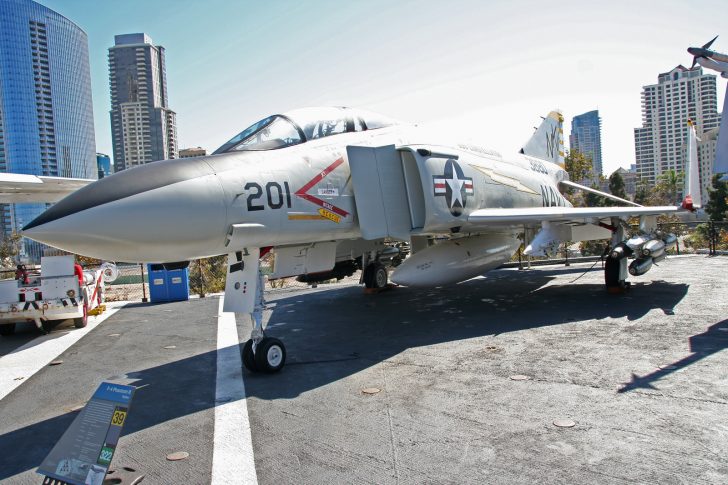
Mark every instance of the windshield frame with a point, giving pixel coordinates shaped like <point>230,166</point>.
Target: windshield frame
<point>350,116</point>
<point>256,128</point>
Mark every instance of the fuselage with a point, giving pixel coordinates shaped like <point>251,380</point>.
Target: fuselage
<point>179,210</point>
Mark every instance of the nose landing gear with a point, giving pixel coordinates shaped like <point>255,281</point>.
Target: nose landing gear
<point>244,294</point>
<point>267,356</point>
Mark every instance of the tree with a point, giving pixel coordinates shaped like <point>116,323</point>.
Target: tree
<point>578,166</point>
<point>717,199</point>
<point>208,275</point>
<point>643,193</point>
<point>667,188</point>
<point>9,249</point>
<point>616,185</point>
<point>594,200</point>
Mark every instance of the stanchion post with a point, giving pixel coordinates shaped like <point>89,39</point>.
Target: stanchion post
<point>202,279</point>
<point>144,288</point>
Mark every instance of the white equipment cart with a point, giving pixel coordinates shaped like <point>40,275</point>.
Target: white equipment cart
<point>55,295</point>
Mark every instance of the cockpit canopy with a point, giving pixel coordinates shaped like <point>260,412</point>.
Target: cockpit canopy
<point>302,125</point>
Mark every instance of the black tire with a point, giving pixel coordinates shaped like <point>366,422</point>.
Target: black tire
<point>81,322</point>
<point>7,329</point>
<point>611,273</point>
<point>375,276</point>
<point>48,325</point>
<point>249,356</point>
<point>270,355</point>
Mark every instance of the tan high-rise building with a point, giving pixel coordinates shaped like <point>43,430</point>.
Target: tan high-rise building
<point>678,95</point>
<point>192,152</point>
<point>143,128</point>
<point>707,146</point>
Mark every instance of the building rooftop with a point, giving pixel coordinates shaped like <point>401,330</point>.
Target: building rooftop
<point>131,39</point>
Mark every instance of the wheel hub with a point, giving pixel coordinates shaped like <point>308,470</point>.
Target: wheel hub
<point>274,356</point>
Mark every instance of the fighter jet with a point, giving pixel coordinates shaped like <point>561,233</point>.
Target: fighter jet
<point>717,62</point>
<point>710,59</point>
<point>323,188</point>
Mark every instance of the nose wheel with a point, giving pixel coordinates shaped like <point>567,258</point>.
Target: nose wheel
<point>267,356</point>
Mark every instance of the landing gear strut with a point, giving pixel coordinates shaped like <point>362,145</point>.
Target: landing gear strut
<point>615,268</point>
<point>245,287</point>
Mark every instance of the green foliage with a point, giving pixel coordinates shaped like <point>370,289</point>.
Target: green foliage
<point>578,166</point>
<point>616,185</point>
<point>208,275</point>
<point>700,237</point>
<point>9,249</point>
<point>667,188</point>
<point>717,205</point>
<point>593,248</point>
<point>643,193</point>
<point>594,200</point>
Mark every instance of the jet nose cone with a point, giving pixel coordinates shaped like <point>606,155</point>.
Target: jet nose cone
<point>163,211</point>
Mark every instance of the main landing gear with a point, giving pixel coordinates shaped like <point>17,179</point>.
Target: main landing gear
<point>374,272</point>
<point>375,276</point>
<point>615,268</point>
<point>648,247</point>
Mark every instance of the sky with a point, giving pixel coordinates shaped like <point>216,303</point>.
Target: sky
<point>486,69</point>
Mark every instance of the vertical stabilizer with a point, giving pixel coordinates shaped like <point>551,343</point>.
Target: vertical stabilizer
<point>548,141</point>
<point>693,196</point>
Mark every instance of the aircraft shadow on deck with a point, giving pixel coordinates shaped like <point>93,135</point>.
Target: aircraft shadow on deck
<point>702,345</point>
<point>333,334</point>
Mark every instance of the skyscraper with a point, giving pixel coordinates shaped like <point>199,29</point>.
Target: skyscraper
<point>46,114</point>
<point>143,128</point>
<point>679,94</point>
<point>103,164</point>
<point>586,137</point>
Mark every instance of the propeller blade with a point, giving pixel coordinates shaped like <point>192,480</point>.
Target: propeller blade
<point>695,61</point>
<point>707,46</point>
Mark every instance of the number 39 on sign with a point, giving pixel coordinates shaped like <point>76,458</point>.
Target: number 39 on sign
<point>119,416</point>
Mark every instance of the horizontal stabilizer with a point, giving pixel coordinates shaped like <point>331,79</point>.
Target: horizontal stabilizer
<point>574,185</point>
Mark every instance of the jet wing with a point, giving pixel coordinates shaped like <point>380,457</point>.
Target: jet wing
<point>535,215</point>
<point>18,188</point>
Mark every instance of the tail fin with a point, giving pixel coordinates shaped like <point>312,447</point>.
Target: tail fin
<point>693,196</point>
<point>548,141</point>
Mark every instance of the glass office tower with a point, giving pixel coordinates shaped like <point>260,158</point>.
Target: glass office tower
<point>46,114</point>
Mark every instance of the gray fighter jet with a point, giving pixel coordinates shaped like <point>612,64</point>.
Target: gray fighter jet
<point>709,58</point>
<point>716,61</point>
<point>323,188</point>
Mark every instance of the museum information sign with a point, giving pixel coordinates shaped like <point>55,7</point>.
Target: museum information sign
<point>84,452</point>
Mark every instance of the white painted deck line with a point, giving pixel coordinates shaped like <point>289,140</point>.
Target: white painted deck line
<point>232,457</point>
<point>19,365</point>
